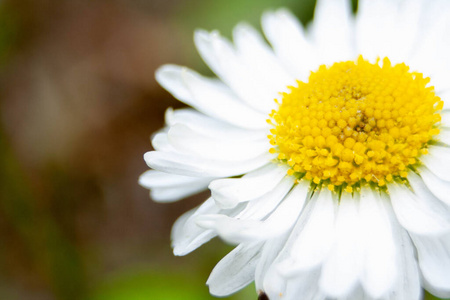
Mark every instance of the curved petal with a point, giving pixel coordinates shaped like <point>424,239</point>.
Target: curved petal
<point>166,195</point>
<point>438,161</point>
<point>357,294</point>
<point>274,285</point>
<point>415,215</point>
<point>408,283</point>
<point>160,142</point>
<point>182,164</point>
<point>434,262</point>
<point>197,91</point>
<point>186,235</point>
<point>275,281</point>
<point>229,192</point>
<point>235,271</point>
<point>260,59</point>
<point>222,58</point>
<point>445,116</point>
<point>379,269</point>
<point>433,44</point>
<point>444,136</point>
<point>210,127</point>
<point>270,251</point>
<point>156,179</point>
<point>332,31</point>
<point>315,239</point>
<point>439,187</point>
<point>264,205</point>
<point>167,187</point>
<point>288,40</point>
<point>238,230</point>
<point>341,269</point>
<point>374,28</point>
<point>388,28</point>
<point>445,96</point>
<point>305,284</point>
<point>186,140</point>
<point>428,200</point>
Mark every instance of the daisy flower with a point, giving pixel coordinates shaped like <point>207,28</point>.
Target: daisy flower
<point>327,153</point>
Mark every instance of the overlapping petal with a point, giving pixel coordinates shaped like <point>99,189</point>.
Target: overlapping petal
<point>166,187</point>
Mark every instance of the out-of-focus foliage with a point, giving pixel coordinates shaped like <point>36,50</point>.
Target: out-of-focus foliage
<point>9,30</point>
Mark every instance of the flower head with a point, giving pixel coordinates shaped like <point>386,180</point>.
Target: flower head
<point>327,154</point>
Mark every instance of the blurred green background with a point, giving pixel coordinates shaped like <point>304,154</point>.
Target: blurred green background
<point>78,102</point>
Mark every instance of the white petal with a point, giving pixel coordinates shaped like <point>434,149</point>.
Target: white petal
<point>438,161</point>
<point>270,251</point>
<point>303,285</point>
<point>340,271</point>
<point>445,96</point>
<point>445,116</point>
<point>235,271</point>
<point>167,187</point>
<point>306,285</point>
<point>415,215</point>
<point>444,136</point>
<point>375,23</point>
<point>255,210</point>
<point>210,127</point>
<point>167,195</point>
<point>315,239</point>
<point>434,262</point>
<point>407,285</point>
<point>357,294</point>
<point>274,285</point>
<point>431,53</point>
<point>439,187</point>
<point>231,191</point>
<point>286,214</point>
<point>275,282</point>
<point>169,77</point>
<point>332,30</point>
<point>409,279</point>
<point>186,235</point>
<point>156,179</point>
<point>209,96</point>
<point>379,262</point>
<point>285,33</point>
<point>237,230</point>
<point>186,140</point>
<point>260,59</point>
<point>219,54</point>
<point>407,24</point>
<point>259,208</point>
<point>389,28</point>
<point>427,199</point>
<point>161,143</point>
<point>187,165</point>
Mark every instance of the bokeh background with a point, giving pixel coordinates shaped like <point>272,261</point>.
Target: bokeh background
<point>78,102</point>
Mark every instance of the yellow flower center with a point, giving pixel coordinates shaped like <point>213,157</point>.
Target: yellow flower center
<point>354,122</point>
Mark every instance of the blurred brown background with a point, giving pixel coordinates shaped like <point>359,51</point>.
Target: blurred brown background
<point>78,102</point>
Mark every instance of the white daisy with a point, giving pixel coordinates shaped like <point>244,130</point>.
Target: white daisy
<point>339,189</point>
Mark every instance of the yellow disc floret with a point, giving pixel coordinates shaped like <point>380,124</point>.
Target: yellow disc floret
<point>355,121</point>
